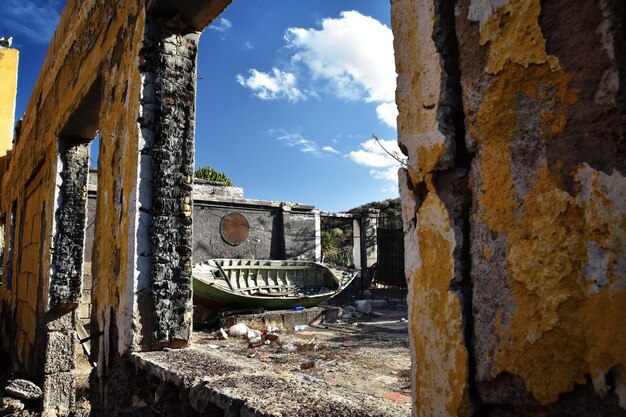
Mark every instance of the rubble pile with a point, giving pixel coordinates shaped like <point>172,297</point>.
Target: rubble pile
<point>20,398</point>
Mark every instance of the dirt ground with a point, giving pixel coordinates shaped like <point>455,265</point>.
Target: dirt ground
<point>366,356</point>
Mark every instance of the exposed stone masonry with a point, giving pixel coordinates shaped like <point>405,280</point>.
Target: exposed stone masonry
<point>168,123</point>
<point>67,257</point>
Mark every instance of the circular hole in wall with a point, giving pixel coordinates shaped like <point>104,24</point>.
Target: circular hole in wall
<point>234,228</point>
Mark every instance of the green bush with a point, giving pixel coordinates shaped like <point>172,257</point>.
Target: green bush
<point>330,246</point>
<point>209,174</point>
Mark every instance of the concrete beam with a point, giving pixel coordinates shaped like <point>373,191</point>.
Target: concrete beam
<point>196,14</point>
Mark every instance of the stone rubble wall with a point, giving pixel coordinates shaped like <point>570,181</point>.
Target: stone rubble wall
<point>168,128</point>
<point>512,114</point>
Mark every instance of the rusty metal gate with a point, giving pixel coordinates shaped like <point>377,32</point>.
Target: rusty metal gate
<point>390,251</point>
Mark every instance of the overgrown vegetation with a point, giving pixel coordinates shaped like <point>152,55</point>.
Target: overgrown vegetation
<point>337,247</point>
<point>389,208</point>
<point>209,174</point>
<point>337,239</point>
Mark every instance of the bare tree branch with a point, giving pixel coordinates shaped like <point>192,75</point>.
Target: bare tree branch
<point>394,155</point>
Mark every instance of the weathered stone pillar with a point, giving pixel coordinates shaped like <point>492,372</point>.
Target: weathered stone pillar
<point>512,116</point>
<point>356,239</point>
<point>166,164</point>
<point>434,204</point>
<point>66,273</point>
<point>318,236</point>
<point>369,235</point>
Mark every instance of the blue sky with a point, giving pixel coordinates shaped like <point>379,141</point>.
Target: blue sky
<point>289,95</point>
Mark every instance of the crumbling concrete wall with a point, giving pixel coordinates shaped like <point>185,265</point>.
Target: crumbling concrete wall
<point>512,114</point>
<point>127,70</point>
<point>9,59</point>
<point>273,232</point>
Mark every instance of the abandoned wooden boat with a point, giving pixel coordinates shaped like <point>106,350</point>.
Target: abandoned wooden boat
<point>273,285</point>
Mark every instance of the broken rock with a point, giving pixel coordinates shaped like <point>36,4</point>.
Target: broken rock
<point>349,310</point>
<point>222,334</point>
<point>238,330</point>
<point>289,347</point>
<point>21,388</point>
<point>363,306</point>
<point>10,405</point>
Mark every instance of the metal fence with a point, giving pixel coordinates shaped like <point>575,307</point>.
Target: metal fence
<point>390,251</point>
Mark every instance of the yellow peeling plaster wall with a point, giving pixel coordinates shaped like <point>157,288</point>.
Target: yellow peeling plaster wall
<point>9,59</point>
<point>8,89</point>
<point>545,104</point>
<point>543,95</point>
<point>85,45</point>
<point>127,70</point>
<point>440,359</point>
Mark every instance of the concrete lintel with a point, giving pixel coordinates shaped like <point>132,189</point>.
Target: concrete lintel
<point>196,14</point>
<point>230,201</point>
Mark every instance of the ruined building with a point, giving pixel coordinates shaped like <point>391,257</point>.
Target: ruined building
<point>513,118</point>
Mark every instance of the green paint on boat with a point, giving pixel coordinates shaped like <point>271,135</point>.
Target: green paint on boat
<point>272,285</point>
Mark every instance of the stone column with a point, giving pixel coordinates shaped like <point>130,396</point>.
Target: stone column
<point>318,236</point>
<point>166,163</point>
<point>434,195</point>
<point>369,227</point>
<point>356,239</point>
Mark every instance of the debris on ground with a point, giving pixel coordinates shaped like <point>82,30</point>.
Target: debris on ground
<point>371,348</point>
<point>238,330</point>
<point>396,397</point>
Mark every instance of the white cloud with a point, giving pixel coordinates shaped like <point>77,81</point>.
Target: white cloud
<point>390,173</point>
<point>370,159</point>
<point>278,84</point>
<point>32,19</point>
<point>388,113</point>
<point>330,149</point>
<point>221,25</point>
<point>296,140</point>
<point>373,155</point>
<point>354,53</point>
<point>247,45</point>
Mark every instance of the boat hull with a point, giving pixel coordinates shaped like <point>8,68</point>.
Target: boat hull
<point>227,283</point>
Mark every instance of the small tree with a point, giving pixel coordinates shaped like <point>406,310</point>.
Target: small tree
<point>209,174</point>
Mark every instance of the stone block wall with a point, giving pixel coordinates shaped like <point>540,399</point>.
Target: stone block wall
<point>512,114</point>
